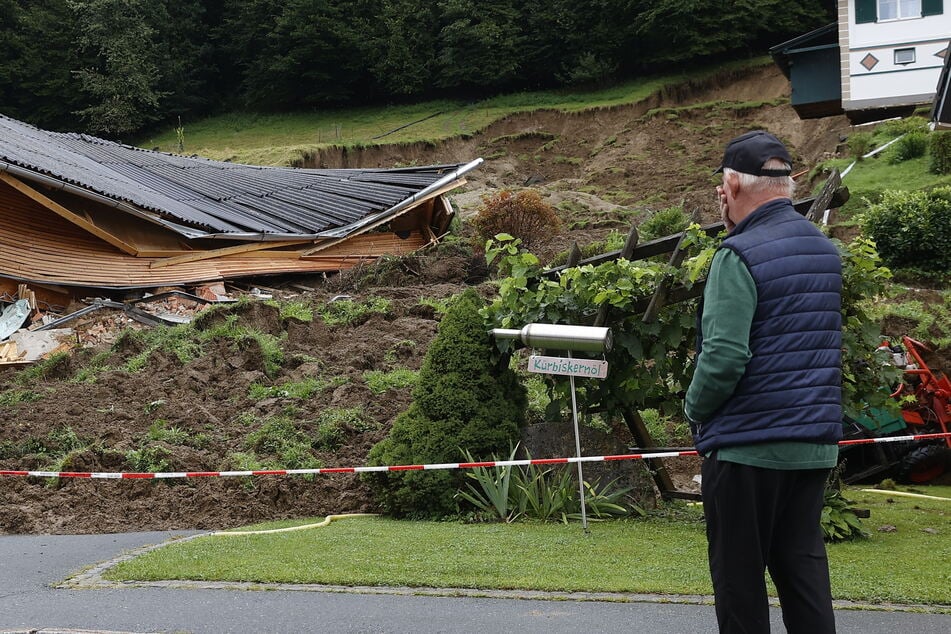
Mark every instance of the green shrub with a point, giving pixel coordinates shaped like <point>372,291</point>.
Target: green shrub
<point>912,229</point>
<point>466,399</point>
<point>540,493</point>
<point>940,150</point>
<point>859,144</point>
<point>523,214</point>
<point>891,129</point>
<point>663,223</point>
<point>666,431</point>
<point>912,145</point>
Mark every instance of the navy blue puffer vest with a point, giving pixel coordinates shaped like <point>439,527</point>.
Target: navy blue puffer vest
<point>791,389</point>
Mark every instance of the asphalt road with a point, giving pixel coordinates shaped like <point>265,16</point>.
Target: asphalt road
<point>31,565</point>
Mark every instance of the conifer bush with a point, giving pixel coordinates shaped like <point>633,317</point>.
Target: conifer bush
<point>521,214</point>
<point>466,399</point>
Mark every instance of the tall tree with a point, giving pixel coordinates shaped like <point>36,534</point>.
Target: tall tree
<point>479,43</point>
<point>183,56</point>
<point>403,55</point>
<point>122,83</point>
<point>688,30</point>
<point>305,52</point>
<point>12,47</point>
<point>36,84</point>
<point>243,33</point>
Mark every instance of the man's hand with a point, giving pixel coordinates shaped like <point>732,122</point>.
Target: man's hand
<point>724,209</point>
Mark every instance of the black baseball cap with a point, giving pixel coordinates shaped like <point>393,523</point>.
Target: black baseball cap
<point>748,152</point>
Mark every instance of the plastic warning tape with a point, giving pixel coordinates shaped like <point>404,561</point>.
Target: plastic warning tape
<point>416,467</point>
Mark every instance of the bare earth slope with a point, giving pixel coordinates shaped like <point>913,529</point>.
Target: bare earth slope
<point>604,169</point>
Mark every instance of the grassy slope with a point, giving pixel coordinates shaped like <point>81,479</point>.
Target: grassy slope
<point>873,175</point>
<point>279,139</point>
<point>657,555</point>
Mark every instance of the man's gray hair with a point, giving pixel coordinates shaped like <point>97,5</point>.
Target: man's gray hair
<point>782,185</point>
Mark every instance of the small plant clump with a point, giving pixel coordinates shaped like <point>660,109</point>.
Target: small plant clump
<point>839,519</point>
<point>302,389</point>
<point>522,214</point>
<point>334,424</point>
<point>859,144</point>
<point>509,493</point>
<point>380,382</point>
<point>913,145</point>
<point>12,397</point>
<point>663,223</point>
<point>349,312</point>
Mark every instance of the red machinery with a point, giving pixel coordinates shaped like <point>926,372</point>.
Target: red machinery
<point>929,409</point>
<point>926,408</point>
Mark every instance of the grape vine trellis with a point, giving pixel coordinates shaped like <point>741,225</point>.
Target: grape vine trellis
<point>649,301</point>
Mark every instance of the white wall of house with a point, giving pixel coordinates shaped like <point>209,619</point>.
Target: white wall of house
<point>874,75</point>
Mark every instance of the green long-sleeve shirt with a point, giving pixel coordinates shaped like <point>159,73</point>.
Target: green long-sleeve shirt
<point>729,303</point>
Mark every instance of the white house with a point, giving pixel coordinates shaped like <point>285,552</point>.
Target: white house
<point>882,56</point>
<point>892,51</point>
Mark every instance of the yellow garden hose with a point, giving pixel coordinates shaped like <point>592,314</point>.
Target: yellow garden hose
<point>906,494</point>
<point>326,522</point>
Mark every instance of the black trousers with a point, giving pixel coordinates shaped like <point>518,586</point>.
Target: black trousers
<point>759,519</point>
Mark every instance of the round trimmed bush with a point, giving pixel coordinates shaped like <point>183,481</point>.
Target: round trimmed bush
<point>912,229</point>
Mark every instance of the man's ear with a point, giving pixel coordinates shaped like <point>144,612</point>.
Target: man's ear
<point>732,182</point>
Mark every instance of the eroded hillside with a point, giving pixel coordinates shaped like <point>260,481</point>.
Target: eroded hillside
<point>602,169</point>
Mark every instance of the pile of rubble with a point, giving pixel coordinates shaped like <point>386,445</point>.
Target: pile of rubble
<point>32,330</point>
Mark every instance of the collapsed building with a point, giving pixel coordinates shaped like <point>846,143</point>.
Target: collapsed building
<point>79,212</point>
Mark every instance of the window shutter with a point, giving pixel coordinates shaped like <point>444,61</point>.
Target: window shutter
<point>932,7</point>
<point>867,11</point>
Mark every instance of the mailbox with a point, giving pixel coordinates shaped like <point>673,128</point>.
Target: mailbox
<point>560,337</point>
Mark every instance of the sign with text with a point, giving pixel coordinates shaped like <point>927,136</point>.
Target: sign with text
<point>590,368</point>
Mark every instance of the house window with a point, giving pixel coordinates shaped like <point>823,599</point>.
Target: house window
<point>898,9</point>
<point>877,10</point>
<point>904,56</point>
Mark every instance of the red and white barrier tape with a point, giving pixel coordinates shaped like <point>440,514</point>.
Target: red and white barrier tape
<point>417,467</point>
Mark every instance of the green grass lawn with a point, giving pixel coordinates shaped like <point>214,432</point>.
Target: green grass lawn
<point>280,139</point>
<point>661,554</point>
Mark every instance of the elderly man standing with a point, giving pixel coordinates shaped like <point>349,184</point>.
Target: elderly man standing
<point>765,401</point>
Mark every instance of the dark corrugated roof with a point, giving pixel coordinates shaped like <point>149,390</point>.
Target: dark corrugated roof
<point>214,197</point>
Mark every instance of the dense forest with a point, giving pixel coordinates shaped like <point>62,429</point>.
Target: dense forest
<point>116,67</point>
